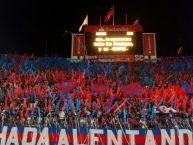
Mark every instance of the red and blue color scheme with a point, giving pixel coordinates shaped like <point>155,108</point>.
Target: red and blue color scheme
<point>67,86</point>
<point>55,135</point>
<point>132,89</point>
<point>99,89</point>
<point>187,88</point>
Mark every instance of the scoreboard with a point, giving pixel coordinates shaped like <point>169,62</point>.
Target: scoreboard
<point>113,42</point>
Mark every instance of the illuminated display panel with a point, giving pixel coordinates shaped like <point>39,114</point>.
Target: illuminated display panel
<point>113,42</point>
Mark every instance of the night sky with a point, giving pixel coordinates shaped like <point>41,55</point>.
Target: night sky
<point>26,25</point>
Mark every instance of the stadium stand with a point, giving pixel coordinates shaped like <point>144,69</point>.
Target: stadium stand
<point>54,91</point>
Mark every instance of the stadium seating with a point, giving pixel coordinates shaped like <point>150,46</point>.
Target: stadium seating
<point>45,91</point>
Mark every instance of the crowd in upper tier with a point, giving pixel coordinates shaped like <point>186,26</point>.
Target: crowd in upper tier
<point>38,91</point>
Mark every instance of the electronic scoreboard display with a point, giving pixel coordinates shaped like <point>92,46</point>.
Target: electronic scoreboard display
<point>113,42</point>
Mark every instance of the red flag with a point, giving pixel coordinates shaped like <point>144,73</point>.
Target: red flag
<point>22,119</point>
<point>120,106</point>
<point>6,101</point>
<point>179,50</point>
<point>136,22</point>
<point>24,103</point>
<point>109,14</point>
<point>191,89</point>
<point>134,121</point>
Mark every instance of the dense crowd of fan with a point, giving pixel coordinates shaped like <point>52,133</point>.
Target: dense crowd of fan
<point>31,93</point>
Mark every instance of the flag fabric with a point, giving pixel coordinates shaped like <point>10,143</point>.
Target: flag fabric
<point>67,86</point>
<point>179,50</point>
<point>143,103</point>
<point>77,104</point>
<point>122,69</point>
<point>85,22</point>
<point>57,107</point>
<point>108,104</point>
<point>109,14</point>
<point>179,90</point>
<point>152,113</point>
<point>119,106</point>
<point>132,89</point>
<point>135,122</point>
<point>107,107</point>
<point>109,101</point>
<point>191,91</point>
<point>136,22</point>
<point>187,88</point>
<point>99,89</point>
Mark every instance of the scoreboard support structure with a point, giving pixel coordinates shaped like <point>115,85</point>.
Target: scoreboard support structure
<point>114,43</point>
<point>78,49</point>
<point>149,46</point>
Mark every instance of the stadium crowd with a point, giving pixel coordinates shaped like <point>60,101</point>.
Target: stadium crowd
<point>45,91</point>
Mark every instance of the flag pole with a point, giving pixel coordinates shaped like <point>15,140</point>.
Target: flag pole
<point>113,16</point>
<point>181,47</point>
<point>181,51</point>
<point>126,18</point>
<point>100,20</point>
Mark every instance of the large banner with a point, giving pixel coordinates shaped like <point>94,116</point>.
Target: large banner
<point>78,45</point>
<point>17,135</point>
<point>115,58</point>
<point>149,44</point>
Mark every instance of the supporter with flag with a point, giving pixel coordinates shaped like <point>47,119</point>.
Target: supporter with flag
<point>67,86</point>
<point>99,89</point>
<point>132,89</point>
<point>47,86</point>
